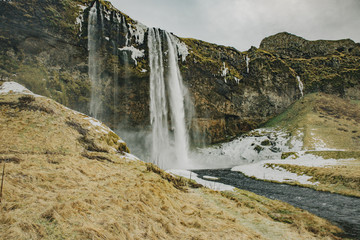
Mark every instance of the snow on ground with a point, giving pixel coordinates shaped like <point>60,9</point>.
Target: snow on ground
<point>266,170</point>
<point>256,153</point>
<point>259,170</point>
<point>96,123</point>
<point>210,178</point>
<point>15,88</point>
<point>209,184</point>
<point>257,145</point>
<point>131,157</point>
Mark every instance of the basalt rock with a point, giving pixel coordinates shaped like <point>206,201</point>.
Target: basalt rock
<point>44,45</point>
<point>326,66</point>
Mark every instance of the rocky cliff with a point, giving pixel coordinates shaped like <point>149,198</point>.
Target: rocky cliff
<point>44,45</point>
<point>325,66</point>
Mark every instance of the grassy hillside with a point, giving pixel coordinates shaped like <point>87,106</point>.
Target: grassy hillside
<point>67,176</point>
<point>329,127</point>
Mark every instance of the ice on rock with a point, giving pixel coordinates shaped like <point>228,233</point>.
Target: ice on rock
<point>182,48</point>
<point>138,31</point>
<point>135,53</point>
<point>80,18</point>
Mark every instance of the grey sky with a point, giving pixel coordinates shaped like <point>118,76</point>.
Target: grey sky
<point>244,23</point>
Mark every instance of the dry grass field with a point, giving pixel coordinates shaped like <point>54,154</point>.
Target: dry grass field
<point>69,177</point>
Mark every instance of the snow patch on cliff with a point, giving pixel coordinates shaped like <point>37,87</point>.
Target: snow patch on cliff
<point>80,18</point>
<point>182,49</point>
<point>135,53</point>
<point>138,31</point>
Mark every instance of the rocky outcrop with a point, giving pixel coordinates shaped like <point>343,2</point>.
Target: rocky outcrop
<point>327,66</point>
<point>44,45</point>
<point>287,45</point>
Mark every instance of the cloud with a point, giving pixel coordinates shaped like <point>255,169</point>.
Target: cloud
<point>243,23</point>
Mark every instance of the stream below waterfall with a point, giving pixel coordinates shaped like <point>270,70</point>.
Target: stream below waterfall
<point>343,211</point>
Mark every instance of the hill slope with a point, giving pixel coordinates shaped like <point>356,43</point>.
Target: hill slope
<point>329,127</point>
<point>69,177</point>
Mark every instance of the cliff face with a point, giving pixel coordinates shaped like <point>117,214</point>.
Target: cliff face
<point>326,66</point>
<point>234,92</point>
<point>44,45</point>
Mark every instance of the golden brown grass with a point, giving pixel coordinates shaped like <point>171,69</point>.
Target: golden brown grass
<point>343,178</point>
<point>72,182</point>
<point>330,122</point>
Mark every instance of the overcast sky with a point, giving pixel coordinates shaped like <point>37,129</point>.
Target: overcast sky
<point>244,23</point>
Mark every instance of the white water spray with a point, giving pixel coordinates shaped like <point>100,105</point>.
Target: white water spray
<point>93,62</point>
<point>301,85</point>
<point>166,95</point>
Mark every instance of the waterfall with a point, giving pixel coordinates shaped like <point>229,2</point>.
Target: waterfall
<point>94,35</point>
<point>301,85</point>
<point>169,147</point>
<point>115,73</point>
<point>247,59</point>
<point>125,29</point>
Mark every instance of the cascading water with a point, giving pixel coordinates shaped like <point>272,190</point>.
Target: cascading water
<point>301,85</point>
<point>176,95</point>
<point>93,63</point>
<point>169,149</point>
<point>247,59</point>
<point>125,29</point>
<point>116,72</point>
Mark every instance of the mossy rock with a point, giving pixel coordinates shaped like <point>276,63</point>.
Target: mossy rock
<point>266,142</point>
<point>293,155</point>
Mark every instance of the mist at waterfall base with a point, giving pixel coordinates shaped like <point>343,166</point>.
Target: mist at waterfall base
<point>255,146</point>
